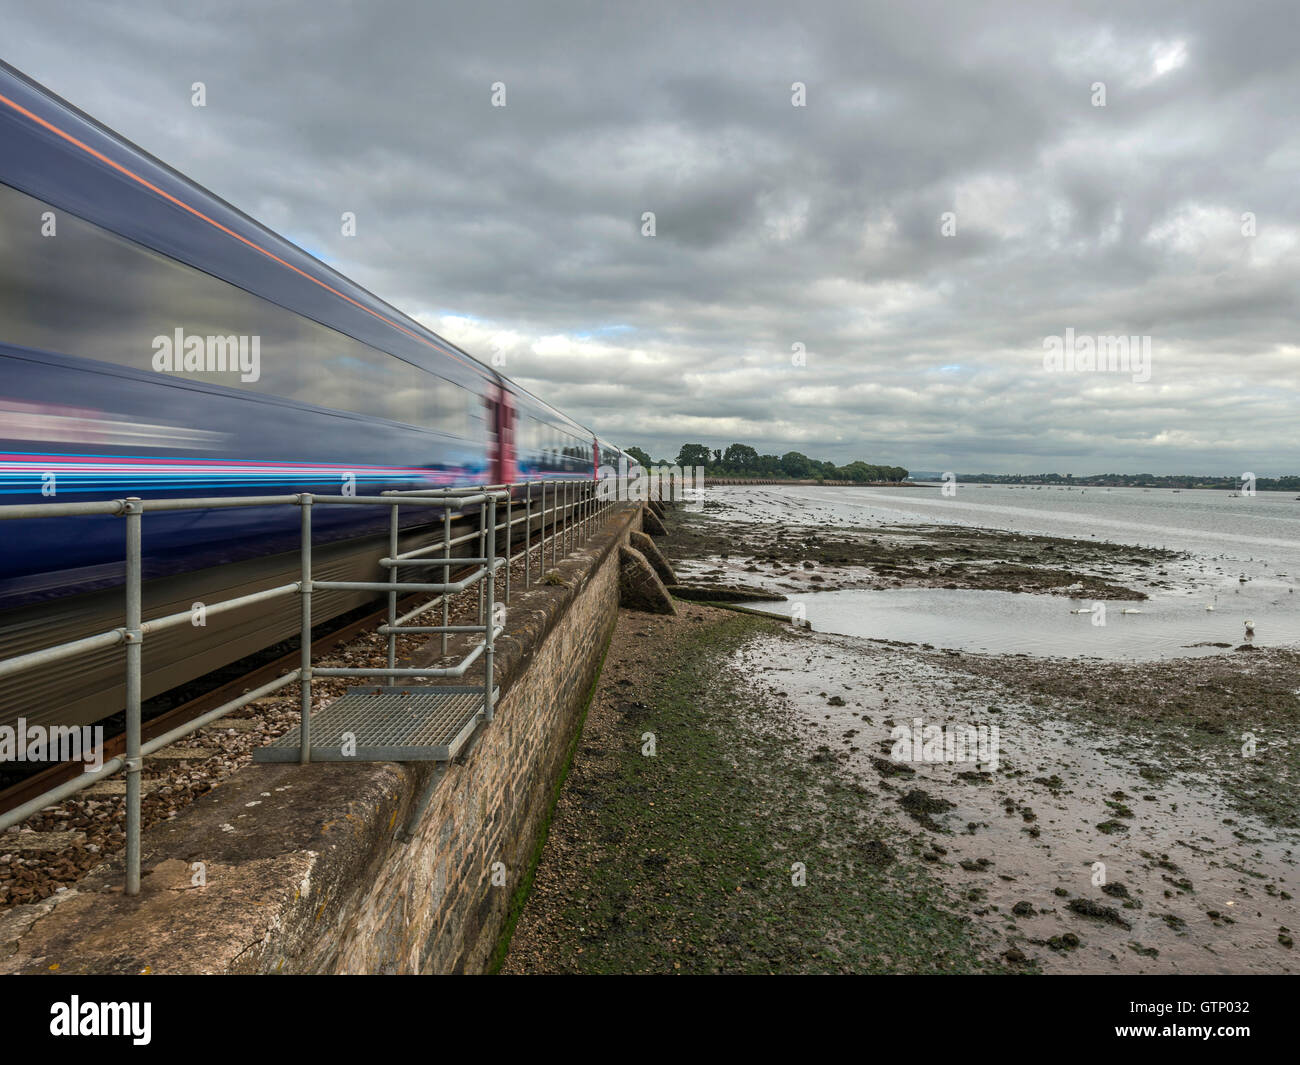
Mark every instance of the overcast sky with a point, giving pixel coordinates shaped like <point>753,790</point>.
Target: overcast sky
<point>520,228</point>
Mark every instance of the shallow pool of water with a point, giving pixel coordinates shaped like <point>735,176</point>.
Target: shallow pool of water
<point>1043,625</point>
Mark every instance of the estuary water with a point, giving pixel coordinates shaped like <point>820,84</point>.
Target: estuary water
<point>1244,564</point>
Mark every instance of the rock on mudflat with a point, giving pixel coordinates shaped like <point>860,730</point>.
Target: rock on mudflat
<point>724,593</point>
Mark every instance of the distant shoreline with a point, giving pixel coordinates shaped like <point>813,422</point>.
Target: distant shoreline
<point>927,483</point>
<point>729,480</point>
<point>1102,484</point>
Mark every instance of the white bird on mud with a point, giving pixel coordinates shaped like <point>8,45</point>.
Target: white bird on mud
<point>1250,626</point>
<point>1130,610</point>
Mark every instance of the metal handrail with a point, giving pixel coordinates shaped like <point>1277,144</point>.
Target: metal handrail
<point>569,521</point>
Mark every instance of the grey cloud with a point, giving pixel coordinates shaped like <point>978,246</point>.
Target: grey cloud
<point>776,224</point>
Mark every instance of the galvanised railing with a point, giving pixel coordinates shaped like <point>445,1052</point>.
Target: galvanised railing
<point>575,507</point>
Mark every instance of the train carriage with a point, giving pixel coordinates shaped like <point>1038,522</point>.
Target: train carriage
<point>157,342</point>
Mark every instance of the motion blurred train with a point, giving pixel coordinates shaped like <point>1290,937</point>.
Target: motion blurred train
<point>157,342</point>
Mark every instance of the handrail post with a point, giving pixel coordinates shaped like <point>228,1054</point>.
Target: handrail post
<point>392,579</point>
<point>482,550</point>
<point>446,553</point>
<point>304,727</point>
<point>509,537</point>
<point>528,535</point>
<point>133,511</point>
<point>490,582</point>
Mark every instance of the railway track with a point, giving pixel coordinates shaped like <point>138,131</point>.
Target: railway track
<point>45,779</point>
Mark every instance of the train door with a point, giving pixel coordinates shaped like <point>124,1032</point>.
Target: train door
<point>503,425</point>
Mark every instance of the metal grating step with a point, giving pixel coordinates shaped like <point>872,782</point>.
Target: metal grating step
<point>389,725</point>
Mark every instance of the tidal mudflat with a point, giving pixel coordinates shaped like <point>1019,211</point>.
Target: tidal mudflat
<point>1116,827</point>
<point>1142,812</point>
<point>735,804</point>
<point>694,834</point>
<point>751,795</point>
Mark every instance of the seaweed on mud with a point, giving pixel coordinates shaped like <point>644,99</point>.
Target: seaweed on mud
<point>886,768</point>
<point>877,854</point>
<point>1088,908</point>
<point>921,805</point>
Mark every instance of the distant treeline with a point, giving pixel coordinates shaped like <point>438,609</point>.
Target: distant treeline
<point>1135,480</point>
<point>741,460</point>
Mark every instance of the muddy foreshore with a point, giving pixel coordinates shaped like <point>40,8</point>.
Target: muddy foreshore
<point>919,556</point>
<point>694,834</point>
<point>1135,817</point>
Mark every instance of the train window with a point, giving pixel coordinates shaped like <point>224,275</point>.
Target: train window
<point>88,292</point>
<point>412,394</point>
<point>422,398</point>
<point>457,411</point>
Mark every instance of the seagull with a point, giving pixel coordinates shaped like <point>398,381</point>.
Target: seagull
<point>1250,626</point>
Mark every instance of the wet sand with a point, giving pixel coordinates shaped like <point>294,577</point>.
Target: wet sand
<point>695,835</point>
<point>1195,877</point>
<point>1134,817</point>
<point>791,557</point>
<point>1123,829</point>
<point>773,761</point>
